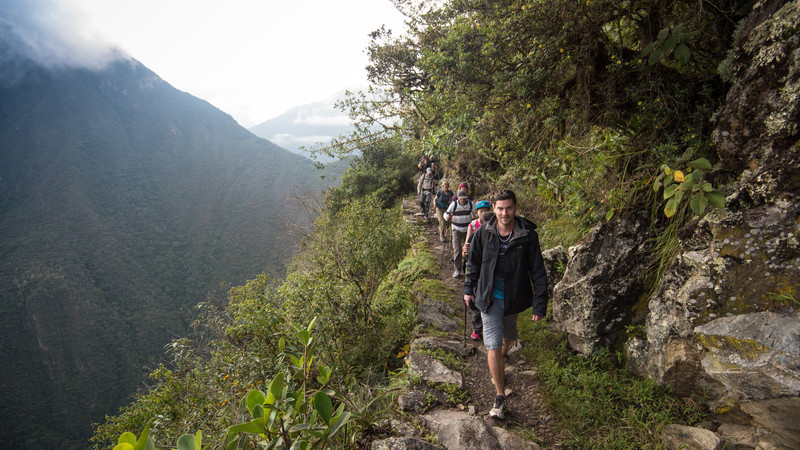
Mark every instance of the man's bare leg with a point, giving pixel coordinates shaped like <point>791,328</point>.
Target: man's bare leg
<point>497,369</point>
<point>497,366</point>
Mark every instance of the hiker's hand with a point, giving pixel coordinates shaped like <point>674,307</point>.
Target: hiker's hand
<point>536,318</point>
<point>468,299</point>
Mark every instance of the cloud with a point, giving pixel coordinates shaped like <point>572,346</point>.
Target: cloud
<point>51,33</point>
<point>322,119</point>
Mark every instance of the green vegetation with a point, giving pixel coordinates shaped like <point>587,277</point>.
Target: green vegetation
<point>597,404</point>
<point>577,106</point>
<point>348,274</point>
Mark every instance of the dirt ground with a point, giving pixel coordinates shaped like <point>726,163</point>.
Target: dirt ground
<point>527,416</point>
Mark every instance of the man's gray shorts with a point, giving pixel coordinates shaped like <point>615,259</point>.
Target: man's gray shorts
<point>497,327</point>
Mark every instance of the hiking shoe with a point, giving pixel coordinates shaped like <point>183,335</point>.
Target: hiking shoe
<point>475,335</point>
<point>456,274</point>
<point>515,348</point>
<point>499,408</point>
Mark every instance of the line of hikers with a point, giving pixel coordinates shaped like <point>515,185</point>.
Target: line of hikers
<point>499,255</point>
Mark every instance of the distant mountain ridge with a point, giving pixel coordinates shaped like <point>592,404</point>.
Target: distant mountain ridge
<point>306,126</point>
<point>123,201</point>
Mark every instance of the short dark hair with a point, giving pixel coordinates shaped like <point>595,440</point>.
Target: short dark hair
<point>506,194</point>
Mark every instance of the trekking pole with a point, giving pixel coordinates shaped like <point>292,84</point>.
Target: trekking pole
<point>465,323</point>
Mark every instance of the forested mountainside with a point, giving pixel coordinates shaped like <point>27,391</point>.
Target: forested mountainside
<point>123,202</point>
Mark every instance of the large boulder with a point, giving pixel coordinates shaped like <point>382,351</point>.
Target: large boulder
<point>602,283</point>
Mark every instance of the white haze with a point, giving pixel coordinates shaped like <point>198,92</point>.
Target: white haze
<point>254,59</point>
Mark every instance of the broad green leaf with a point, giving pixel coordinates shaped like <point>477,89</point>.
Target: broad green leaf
<point>648,49</point>
<point>298,362</point>
<point>324,406</point>
<point>257,412</point>
<point>678,197</point>
<point>670,43</point>
<point>233,443</point>
<point>123,446</point>
<point>186,442</point>
<point>127,438</point>
<point>670,191</point>
<point>716,198</point>
<point>324,374</point>
<point>700,163</point>
<point>343,420</point>
<point>299,445</point>
<point>671,207</point>
<point>144,442</point>
<point>696,175</point>
<point>252,427</point>
<point>656,185</point>
<point>276,386</point>
<point>303,337</point>
<point>254,398</point>
<point>707,187</point>
<point>198,440</point>
<point>609,215</point>
<point>654,57</point>
<point>687,185</point>
<point>699,204</point>
<point>663,34</point>
<point>311,324</point>
<point>682,53</point>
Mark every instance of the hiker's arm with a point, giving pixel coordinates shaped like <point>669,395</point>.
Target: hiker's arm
<point>538,277</point>
<point>468,299</point>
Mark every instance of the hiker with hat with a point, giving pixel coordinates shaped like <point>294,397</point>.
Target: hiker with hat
<point>442,202</point>
<point>425,188</point>
<point>463,187</point>
<point>460,213</point>
<point>484,212</point>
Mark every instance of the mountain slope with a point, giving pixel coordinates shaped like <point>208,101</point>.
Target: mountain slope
<point>122,202</point>
<point>305,126</point>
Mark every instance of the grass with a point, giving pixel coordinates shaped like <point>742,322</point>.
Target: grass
<point>596,404</point>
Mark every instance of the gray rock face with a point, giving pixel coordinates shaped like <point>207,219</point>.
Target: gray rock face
<point>602,283</point>
<point>776,420</point>
<point>680,436</point>
<point>756,356</point>
<point>412,401</point>
<point>403,443</point>
<point>454,347</point>
<point>469,433</point>
<point>430,369</point>
<point>555,262</point>
<point>757,133</point>
<point>433,313</point>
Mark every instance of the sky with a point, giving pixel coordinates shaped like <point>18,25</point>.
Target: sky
<point>253,59</point>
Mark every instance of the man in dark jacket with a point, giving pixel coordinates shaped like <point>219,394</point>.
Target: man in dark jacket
<point>505,276</point>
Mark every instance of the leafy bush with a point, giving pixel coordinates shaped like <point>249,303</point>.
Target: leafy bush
<point>337,276</point>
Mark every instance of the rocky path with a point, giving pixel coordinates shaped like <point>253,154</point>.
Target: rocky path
<point>444,358</point>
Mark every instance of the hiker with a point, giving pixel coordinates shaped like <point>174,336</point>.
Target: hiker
<point>459,214</point>
<point>463,187</point>
<point>437,174</point>
<point>423,165</point>
<point>504,261</point>
<point>484,211</point>
<point>442,202</point>
<point>425,188</point>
